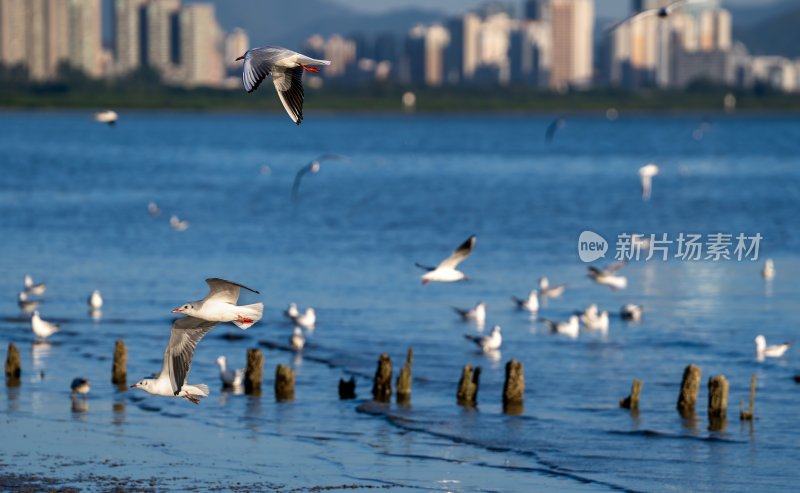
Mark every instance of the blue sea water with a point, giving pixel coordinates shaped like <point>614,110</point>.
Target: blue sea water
<point>73,197</point>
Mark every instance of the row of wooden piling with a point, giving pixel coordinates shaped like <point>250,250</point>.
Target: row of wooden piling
<point>687,398</point>
<point>466,394</point>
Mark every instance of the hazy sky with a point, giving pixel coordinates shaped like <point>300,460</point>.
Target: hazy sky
<point>605,8</point>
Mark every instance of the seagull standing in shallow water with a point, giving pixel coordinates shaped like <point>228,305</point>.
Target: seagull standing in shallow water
<point>42,328</point>
<point>34,289</point>
<point>768,272</point>
<point>531,303</point>
<point>774,351</point>
<point>546,291</point>
<point>646,174</point>
<point>446,271</point>
<point>172,380</point>
<point>230,377</point>
<point>307,320</point>
<point>477,314</point>
<point>488,343</point>
<point>219,305</point>
<point>286,68</point>
<point>570,328</point>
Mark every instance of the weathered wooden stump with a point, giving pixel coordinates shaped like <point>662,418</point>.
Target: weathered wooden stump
<point>748,415</point>
<point>690,385</point>
<point>632,401</point>
<point>13,366</point>
<point>347,388</point>
<point>382,384</point>
<point>717,402</point>
<point>254,371</point>
<point>467,394</point>
<point>514,388</point>
<point>404,379</point>
<point>284,383</point>
<point>119,368</point>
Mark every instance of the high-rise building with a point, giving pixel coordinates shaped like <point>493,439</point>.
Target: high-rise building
<point>536,10</point>
<point>129,34</point>
<point>640,5</point>
<point>161,36</point>
<point>530,53</point>
<point>200,41</point>
<point>462,55</point>
<point>237,42</point>
<point>493,46</point>
<point>85,36</point>
<point>13,31</point>
<point>425,50</point>
<point>573,31</point>
<point>342,54</point>
<point>36,40</point>
<point>715,30</point>
<point>57,32</point>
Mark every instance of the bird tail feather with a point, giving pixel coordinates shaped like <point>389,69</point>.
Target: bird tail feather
<point>248,315</point>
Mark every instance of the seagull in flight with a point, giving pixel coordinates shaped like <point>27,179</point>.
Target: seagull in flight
<point>219,305</point>
<point>286,68</point>
<point>446,271</point>
<point>660,12</point>
<point>313,167</point>
<point>34,289</point>
<point>172,381</point>
<point>554,126</point>
<point>608,276</point>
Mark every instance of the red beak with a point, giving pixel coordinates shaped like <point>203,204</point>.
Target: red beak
<point>177,310</point>
<point>134,385</point>
<point>240,58</point>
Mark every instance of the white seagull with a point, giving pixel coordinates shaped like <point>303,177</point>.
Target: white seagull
<point>34,289</point>
<point>307,320</point>
<point>608,276</point>
<point>178,224</point>
<point>774,351</point>
<point>477,314</point>
<point>531,303</point>
<point>172,381</point>
<point>42,328</point>
<point>108,116</point>
<point>292,312</point>
<point>768,272</point>
<point>488,343</point>
<point>646,174</point>
<point>297,340</point>
<point>631,312</point>
<point>219,305</point>
<point>286,68</point>
<point>570,328</point>
<point>80,386</point>
<point>153,209</point>
<point>95,301</point>
<point>446,270</point>
<point>661,12</point>
<point>545,291</point>
<point>26,304</point>
<point>593,319</point>
<point>230,377</point>
<point>313,167</point>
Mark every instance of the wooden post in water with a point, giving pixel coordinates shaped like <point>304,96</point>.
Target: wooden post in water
<point>404,379</point>
<point>119,368</point>
<point>748,415</point>
<point>347,388</point>
<point>690,385</point>
<point>13,366</point>
<point>382,385</point>
<point>467,395</point>
<point>717,402</point>
<point>632,401</point>
<point>253,372</point>
<point>514,388</point>
<point>284,383</point>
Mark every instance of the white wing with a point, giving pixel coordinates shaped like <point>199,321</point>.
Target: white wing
<point>225,291</point>
<point>289,85</point>
<point>186,333</point>
<point>459,254</point>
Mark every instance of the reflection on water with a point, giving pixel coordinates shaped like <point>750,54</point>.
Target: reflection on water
<point>12,398</point>
<point>41,351</point>
<point>79,405</point>
<point>96,315</point>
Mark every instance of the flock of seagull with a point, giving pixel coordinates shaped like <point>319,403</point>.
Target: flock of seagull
<point>286,68</point>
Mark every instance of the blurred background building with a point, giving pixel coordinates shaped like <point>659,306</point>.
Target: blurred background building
<point>547,44</point>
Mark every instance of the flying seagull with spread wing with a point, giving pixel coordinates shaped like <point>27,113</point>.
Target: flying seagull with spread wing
<point>286,68</point>
<point>446,271</point>
<point>313,167</point>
